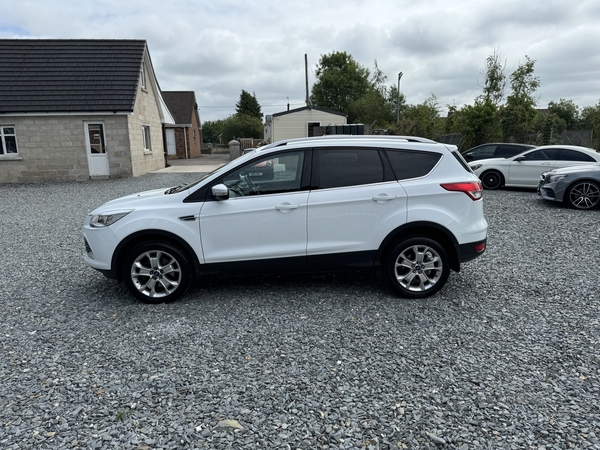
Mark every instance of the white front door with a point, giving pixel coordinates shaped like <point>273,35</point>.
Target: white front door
<point>171,141</point>
<point>97,155</point>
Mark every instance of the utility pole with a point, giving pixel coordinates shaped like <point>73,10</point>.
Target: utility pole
<point>306,77</point>
<point>398,108</point>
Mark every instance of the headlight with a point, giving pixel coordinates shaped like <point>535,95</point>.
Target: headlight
<point>106,220</point>
<point>476,166</point>
<point>555,178</point>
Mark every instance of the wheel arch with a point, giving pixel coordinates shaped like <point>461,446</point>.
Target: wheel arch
<point>495,170</point>
<point>430,230</point>
<point>140,237</point>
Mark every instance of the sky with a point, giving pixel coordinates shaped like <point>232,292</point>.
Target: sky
<point>217,48</point>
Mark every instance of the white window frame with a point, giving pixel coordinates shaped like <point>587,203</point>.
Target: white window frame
<point>146,139</point>
<point>143,75</point>
<point>3,135</point>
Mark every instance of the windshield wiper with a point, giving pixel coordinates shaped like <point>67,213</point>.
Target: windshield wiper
<point>174,189</point>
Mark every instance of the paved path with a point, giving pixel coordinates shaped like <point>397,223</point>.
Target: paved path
<point>202,164</point>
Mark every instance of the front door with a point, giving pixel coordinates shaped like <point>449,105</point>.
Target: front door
<point>96,149</point>
<point>171,149</point>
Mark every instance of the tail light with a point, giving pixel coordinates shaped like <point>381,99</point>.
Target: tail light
<point>472,188</point>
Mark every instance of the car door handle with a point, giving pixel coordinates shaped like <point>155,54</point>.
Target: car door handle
<point>382,198</point>
<point>285,207</point>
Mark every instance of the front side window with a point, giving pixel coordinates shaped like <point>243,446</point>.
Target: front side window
<point>273,174</point>
<point>146,138</point>
<point>542,155</point>
<point>349,167</point>
<point>8,140</point>
<point>412,164</point>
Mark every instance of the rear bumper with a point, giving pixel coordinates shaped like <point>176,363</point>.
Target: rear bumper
<point>471,250</point>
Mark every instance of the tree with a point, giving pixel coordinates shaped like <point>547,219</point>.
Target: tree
<point>248,105</point>
<point>421,120</point>
<point>494,80</point>
<point>211,130</point>
<point>519,112</point>
<point>590,120</point>
<point>340,81</point>
<point>242,125</point>
<point>567,111</point>
<point>374,107</point>
<point>479,123</point>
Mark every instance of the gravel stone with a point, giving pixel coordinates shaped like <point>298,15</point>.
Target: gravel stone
<point>505,356</point>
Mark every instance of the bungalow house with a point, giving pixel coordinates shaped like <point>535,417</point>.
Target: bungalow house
<point>184,138</point>
<point>71,110</point>
<point>300,122</point>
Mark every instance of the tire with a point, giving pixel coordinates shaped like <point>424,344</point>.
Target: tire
<point>157,272</point>
<point>492,179</point>
<point>583,195</point>
<point>417,267</point>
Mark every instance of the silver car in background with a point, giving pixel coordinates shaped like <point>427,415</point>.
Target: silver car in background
<point>576,186</point>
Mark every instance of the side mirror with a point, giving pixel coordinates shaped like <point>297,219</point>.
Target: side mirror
<point>520,158</point>
<point>220,191</point>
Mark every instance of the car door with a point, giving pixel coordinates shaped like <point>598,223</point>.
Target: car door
<point>351,207</point>
<point>264,218</point>
<point>525,170</point>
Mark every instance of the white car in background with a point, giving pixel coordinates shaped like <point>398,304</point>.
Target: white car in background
<point>524,169</point>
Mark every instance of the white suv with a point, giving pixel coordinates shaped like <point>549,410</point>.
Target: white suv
<point>408,205</point>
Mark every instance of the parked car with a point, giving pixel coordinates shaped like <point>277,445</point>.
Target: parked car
<point>410,206</point>
<point>577,187</point>
<point>524,170</point>
<point>496,150</point>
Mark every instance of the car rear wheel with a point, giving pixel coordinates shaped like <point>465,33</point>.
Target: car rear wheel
<point>157,272</point>
<point>417,267</point>
<point>583,195</point>
<point>492,179</point>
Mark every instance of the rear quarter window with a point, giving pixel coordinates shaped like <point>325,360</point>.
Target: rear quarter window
<point>411,163</point>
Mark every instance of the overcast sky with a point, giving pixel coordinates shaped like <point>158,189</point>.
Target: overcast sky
<point>219,47</point>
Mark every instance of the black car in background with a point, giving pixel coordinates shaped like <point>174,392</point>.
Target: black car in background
<point>496,150</point>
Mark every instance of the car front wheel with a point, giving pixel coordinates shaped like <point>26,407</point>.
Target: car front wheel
<point>583,195</point>
<point>157,272</point>
<point>491,179</point>
<point>417,267</point>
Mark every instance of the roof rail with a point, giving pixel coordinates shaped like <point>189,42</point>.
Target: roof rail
<point>350,137</point>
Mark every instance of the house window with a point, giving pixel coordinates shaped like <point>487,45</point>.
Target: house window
<point>311,128</point>
<point>8,140</point>
<point>146,137</point>
<point>143,75</point>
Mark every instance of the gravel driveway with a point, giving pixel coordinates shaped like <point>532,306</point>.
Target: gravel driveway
<point>506,356</point>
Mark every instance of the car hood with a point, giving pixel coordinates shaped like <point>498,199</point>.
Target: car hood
<point>576,169</point>
<point>155,197</point>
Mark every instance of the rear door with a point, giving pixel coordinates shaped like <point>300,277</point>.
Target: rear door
<point>354,204</point>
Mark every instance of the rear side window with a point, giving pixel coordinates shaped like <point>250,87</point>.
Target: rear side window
<point>573,155</point>
<point>412,164</point>
<point>349,167</point>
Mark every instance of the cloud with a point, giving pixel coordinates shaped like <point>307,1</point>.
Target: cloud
<point>219,48</point>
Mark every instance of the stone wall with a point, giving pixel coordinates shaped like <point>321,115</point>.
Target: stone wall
<point>146,112</point>
<point>53,148</point>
